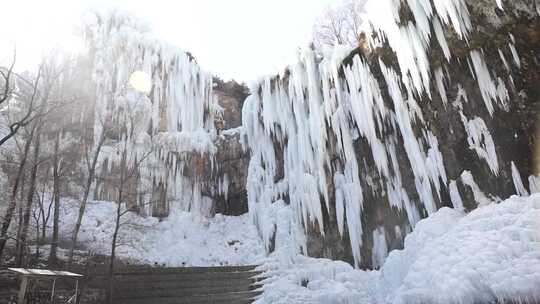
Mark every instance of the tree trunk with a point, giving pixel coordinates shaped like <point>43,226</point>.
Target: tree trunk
<point>21,250</point>
<point>38,238</point>
<point>43,228</point>
<point>90,179</point>
<point>56,193</point>
<point>113,247</point>
<point>45,218</point>
<point>123,169</point>
<point>13,198</point>
<point>20,212</point>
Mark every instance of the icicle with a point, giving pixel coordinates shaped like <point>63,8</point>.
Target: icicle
<point>479,196</point>
<point>480,140</point>
<point>380,248</point>
<point>455,197</point>
<point>415,153</point>
<point>439,79</point>
<point>534,184</point>
<point>503,59</point>
<point>485,82</point>
<point>518,183</point>
<point>514,52</point>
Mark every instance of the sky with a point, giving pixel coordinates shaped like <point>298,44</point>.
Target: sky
<point>239,39</point>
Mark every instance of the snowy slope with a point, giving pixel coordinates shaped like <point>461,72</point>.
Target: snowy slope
<point>490,254</point>
<point>182,239</point>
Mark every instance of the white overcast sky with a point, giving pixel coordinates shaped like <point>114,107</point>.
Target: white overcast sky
<point>240,39</point>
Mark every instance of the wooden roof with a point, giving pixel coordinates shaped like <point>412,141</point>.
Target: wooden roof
<point>45,273</point>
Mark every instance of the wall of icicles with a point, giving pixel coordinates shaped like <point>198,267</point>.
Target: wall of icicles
<point>162,129</point>
<point>350,150</point>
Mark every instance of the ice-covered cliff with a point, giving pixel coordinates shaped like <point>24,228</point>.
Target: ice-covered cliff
<point>360,145</point>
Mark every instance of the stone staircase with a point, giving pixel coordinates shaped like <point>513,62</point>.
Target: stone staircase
<point>154,285</point>
<point>236,284</point>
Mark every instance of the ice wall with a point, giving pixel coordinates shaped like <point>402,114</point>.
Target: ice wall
<point>312,118</point>
<point>164,128</point>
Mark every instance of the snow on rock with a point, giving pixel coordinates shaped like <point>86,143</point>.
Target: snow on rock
<point>490,254</point>
<point>182,239</point>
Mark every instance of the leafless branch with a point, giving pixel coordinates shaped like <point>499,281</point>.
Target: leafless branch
<point>7,77</point>
<point>27,118</point>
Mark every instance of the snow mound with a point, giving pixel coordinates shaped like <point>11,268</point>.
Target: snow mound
<point>182,239</point>
<point>491,254</point>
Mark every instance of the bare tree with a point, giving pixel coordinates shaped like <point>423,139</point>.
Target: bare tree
<point>56,197</point>
<point>51,77</point>
<point>19,180</point>
<point>21,248</point>
<point>35,105</point>
<point>64,150</point>
<point>339,25</point>
<point>91,173</point>
<point>128,175</point>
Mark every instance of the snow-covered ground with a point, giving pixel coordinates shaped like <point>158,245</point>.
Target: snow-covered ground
<point>182,239</point>
<point>490,254</point>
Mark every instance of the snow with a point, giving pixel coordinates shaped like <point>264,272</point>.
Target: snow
<point>491,254</point>
<point>182,239</point>
<point>233,131</point>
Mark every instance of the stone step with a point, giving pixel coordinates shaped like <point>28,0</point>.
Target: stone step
<point>184,283</point>
<point>101,270</point>
<point>236,298</point>
<point>156,292</point>
<point>163,277</point>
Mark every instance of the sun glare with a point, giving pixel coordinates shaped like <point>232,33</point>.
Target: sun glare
<point>141,82</point>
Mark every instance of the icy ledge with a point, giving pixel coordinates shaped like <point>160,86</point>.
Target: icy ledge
<point>490,254</point>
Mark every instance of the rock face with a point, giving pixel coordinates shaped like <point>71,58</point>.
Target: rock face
<point>229,173</point>
<point>512,129</point>
<point>231,96</point>
<point>225,175</point>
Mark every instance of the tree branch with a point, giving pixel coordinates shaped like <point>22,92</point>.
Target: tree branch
<point>7,77</point>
